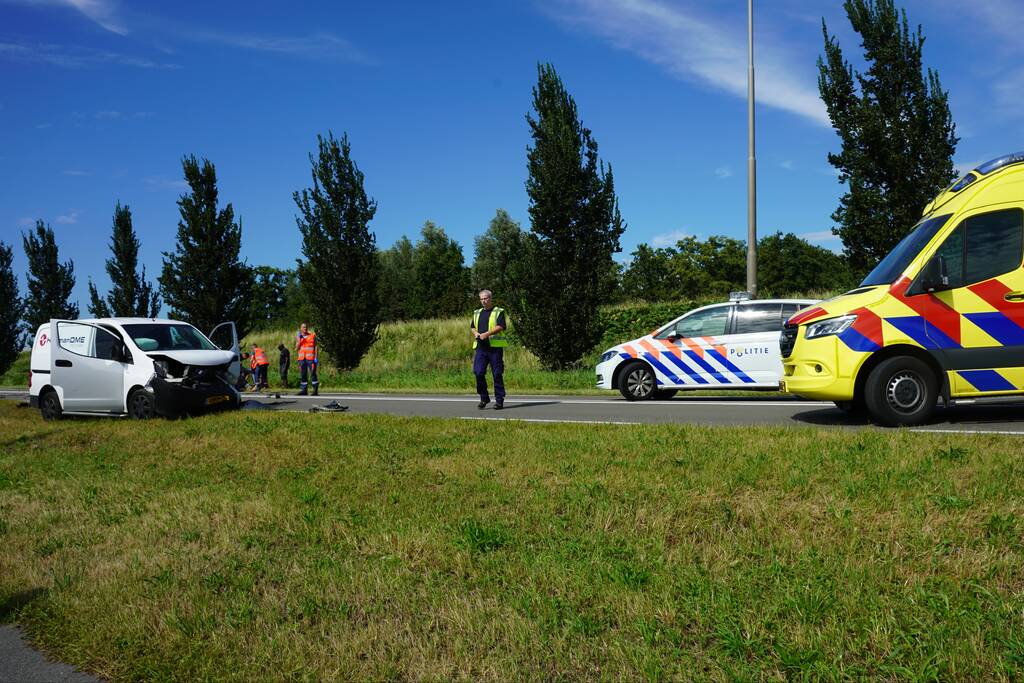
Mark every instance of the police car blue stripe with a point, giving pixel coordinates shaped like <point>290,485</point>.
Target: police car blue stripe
<point>693,374</point>
<point>729,366</point>
<point>660,367</point>
<point>709,368</point>
<point>987,380</point>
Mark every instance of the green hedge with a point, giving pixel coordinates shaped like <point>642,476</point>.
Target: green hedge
<point>622,323</point>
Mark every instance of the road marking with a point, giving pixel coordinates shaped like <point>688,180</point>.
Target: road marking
<point>548,401</point>
<point>534,419</point>
<point>969,431</point>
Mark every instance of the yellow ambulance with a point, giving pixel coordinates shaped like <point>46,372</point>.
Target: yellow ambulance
<point>941,317</point>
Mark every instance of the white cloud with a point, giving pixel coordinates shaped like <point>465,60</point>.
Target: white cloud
<point>694,48</point>
<point>102,12</point>
<point>787,164</point>
<point>161,183</point>
<point>26,222</point>
<point>723,172</point>
<point>70,218</point>
<point>107,114</point>
<point>669,239</point>
<point>318,46</point>
<point>43,126</point>
<point>76,173</point>
<point>819,236</point>
<point>72,57</point>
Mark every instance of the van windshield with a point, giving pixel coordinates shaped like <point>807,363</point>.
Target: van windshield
<point>179,337</point>
<point>893,265</point>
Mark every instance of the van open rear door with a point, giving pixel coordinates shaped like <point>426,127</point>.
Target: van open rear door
<point>86,362</point>
<point>225,338</point>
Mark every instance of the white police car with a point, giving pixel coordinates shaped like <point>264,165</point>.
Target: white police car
<point>733,345</point>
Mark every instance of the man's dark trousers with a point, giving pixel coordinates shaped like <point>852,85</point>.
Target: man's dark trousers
<point>496,359</point>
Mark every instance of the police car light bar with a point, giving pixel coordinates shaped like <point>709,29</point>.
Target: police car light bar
<point>739,296</point>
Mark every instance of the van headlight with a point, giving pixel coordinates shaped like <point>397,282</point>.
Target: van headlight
<point>830,326</point>
<point>608,355</point>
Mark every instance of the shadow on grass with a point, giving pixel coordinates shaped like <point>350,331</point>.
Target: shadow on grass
<point>10,607</point>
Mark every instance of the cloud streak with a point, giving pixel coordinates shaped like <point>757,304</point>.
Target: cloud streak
<point>318,46</point>
<point>669,239</point>
<point>101,12</point>
<point>72,57</point>
<point>693,48</point>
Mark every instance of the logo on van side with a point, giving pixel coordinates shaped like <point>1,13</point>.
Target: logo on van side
<point>43,339</point>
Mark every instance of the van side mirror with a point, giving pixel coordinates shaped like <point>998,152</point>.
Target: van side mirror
<point>934,277</point>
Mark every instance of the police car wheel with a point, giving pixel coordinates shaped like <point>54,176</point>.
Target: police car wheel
<point>901,391</point>
<point>49,406</point>
<point>140,405</point>
<point>637,382</point>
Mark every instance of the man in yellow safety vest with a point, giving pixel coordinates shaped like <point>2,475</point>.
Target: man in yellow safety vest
<point>488,327</point>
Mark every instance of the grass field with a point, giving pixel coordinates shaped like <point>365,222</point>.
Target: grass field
<point>338,547</point>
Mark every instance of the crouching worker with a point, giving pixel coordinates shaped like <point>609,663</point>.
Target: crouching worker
<point>260,363</point>
<point>305,348</point>
<point>489,341</point>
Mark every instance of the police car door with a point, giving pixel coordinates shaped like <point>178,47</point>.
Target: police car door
<point>86,363</point>
<point>225,338</point>
<point>696,358</point>
<point>753,345</point>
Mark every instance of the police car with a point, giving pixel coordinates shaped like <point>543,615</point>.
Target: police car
<point>733,344</point>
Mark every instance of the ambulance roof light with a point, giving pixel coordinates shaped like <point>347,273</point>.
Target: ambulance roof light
<point>1000,162</point>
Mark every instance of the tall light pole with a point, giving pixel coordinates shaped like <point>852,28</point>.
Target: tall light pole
<point>751,160</point>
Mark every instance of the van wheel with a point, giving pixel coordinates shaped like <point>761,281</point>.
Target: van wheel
<point>637,381</point>
<point>901,391</point>
<point>664,394</point>
<point>49,406</point>
<point>140,405</point>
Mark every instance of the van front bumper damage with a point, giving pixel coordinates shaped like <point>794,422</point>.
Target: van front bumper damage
<point>173,398</point>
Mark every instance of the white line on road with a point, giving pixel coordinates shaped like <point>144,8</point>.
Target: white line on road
<point>969,431</point>
<point>510,401</point>
<point>534,419</point>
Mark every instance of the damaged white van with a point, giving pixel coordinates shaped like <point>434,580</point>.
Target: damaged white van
<point>141,367</point>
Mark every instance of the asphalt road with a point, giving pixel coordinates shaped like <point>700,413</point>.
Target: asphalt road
<point>683,409</point>
<point>20,662</point>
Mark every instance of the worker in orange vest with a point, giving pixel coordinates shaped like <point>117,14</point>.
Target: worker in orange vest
<point>306,352</point>
<point>260,363</point>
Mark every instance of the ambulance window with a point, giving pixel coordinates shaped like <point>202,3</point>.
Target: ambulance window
<point>706,323</point>
<point>994,244</point>
<point>952,252</point>
<point>758,318</point>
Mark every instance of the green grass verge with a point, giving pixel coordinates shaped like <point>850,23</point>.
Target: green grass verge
<point>338,547</point>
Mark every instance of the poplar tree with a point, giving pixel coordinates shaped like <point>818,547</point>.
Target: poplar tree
<point>896,131</point>
<point>11,308</point>
<point>442,279</point>
<point>50,282</point>
<point>131,295</point>
<point>203,281</point>
<point>340,274</point>
<point>495,254</point>
<point>575,229</point>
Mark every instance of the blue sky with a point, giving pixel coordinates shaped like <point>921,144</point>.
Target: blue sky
<point>102,98</point>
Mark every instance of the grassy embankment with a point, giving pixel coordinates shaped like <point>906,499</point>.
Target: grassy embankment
<point>336,547</point>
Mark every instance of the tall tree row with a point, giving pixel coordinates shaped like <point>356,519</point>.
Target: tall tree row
<point>896,132</point>
<point>11,309</point>
<point>49,281</point>
<point>203,280</point>
<point>575,229</point>
<point>131,294</point>
<point>339,274</point>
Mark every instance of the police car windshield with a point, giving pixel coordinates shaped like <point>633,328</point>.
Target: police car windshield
<point>893,265</point>
<point>179,337</point>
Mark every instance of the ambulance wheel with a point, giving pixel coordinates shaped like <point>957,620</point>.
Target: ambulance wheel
<point>49,406</point>
<point>901,391</point>
<point>637,381</point>
<point>665,394</point>
<point>141,405</point>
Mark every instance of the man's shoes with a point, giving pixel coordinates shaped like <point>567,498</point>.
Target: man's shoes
<point>302,393</point>
<point>316,391</point>
<point>499,405</point>
<point>482,404</point>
